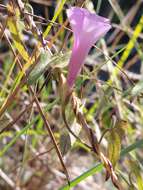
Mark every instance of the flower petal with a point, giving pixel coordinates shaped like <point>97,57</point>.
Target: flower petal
<point>87,29</point>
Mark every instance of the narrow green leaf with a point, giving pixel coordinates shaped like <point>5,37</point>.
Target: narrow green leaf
<point>138,144</point>
<point>114,147</point>
<point>88,173</point>
<point>14,139</point>
<point>99,167</point>
<point>14,25</point>
<point>58,11</point>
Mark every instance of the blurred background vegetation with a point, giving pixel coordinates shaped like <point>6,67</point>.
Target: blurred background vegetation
<point>36,149</point>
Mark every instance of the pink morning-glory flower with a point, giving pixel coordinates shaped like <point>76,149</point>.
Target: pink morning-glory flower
<point>87,29</point>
